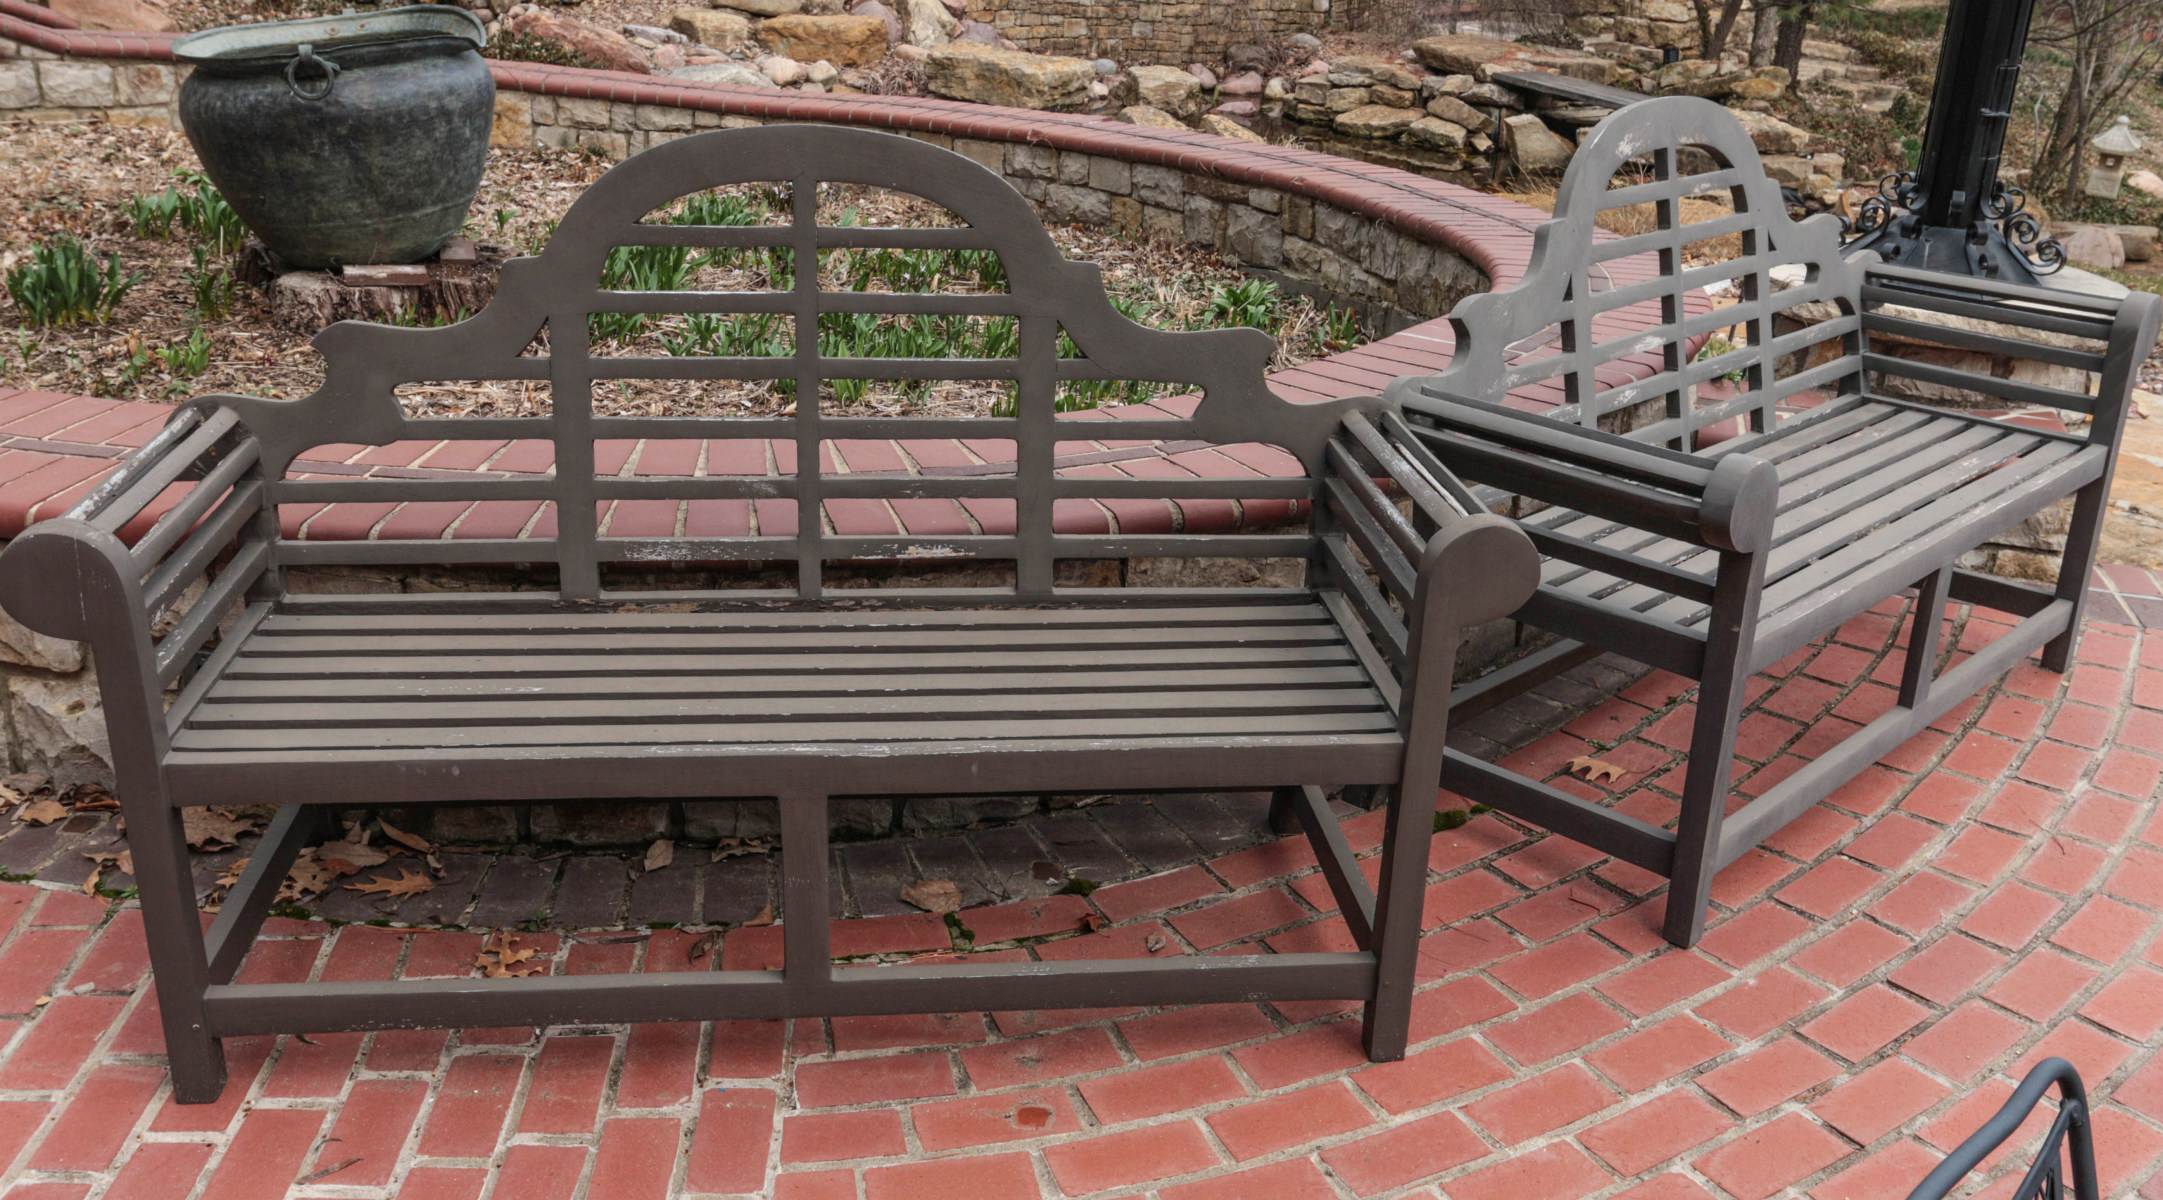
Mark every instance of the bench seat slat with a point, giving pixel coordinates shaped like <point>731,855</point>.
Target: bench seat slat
<point>329,737</point>
<point>760,641</point>
<point>645,687</point>
<point>285,624</point>
<point>362,666</point>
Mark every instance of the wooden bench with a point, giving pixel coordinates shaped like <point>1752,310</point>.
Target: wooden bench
<point>608,685</point>
<point>1717,560</point>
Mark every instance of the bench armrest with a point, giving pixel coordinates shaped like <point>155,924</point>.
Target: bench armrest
<point>77,576</point>
<point>1726,503</point>
<point>2104,335</point>
<point>1448,566</point>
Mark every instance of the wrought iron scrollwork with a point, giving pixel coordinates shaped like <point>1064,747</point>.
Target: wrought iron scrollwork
<point>2008,206</point>
<point>1896,192</point>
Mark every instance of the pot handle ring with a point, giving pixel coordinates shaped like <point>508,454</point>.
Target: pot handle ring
<point>292,77</point>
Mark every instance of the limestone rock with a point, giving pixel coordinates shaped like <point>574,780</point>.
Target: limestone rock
<point>1167,88</point>
<point>823,73</point>
<point>716,27</point>
<point>510,128</point>
<point>1241,57</point>
<point>986,34</point>
<point>1224,126</point>
<point>1311,91</point>
<point>892,20</point>
<point>1364,71</point>
<point>1395,97</point>
<point>763,8</point>
<point>1305,41</point>
<point>1460,53</point>
<point>783,72</point>
<point>1344,100</point>
<point>1375,121</point>
<point>2093,246</point>
<point>2139,241</point>
<point>1491,95</point>
<point>907,53</point>
<point>1537,149</point>
<point>60,729</point>
<point>1278,88</point>
<point>2145,181</point>
<point>926,23</point>
<point>1683,72</point>
<point>1753,83</point>
<point>604,48</point>
<point>654,34</point>
<point>120,16</point>
<point>668,57</point>
<point>1431,86</point>
<point>849,41</point>
<point>1202,74</point>
<point>1246,83</point>
<point>1154,118</point>
<point>722,72</point>
<point>1788,169</point>
<point>1773,135</point>
<point>1434,133</point>
<point>1238,109</point>
<point>990,75</point>
<point>26,648</point>
<point>1457,112</point>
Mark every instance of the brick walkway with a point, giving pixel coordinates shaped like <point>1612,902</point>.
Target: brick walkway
<point>1875,977</point>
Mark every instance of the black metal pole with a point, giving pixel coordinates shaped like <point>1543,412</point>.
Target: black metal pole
<point>1951,214</point>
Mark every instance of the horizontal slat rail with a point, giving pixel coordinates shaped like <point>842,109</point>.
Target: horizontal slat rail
<point>237,1010</point>
<point>1251,609</point>
<point>1581,489</point>
<point>1383,556</point>
<point>1541,434</point>
<point>204,616</point>
<point>624,661</point>
<point>1990,385</point>
<point>1622,565</point>
<point>191,558</point>
<point>1988,343</point>
<point>174,524</point>
<point>228,649</point>
<point>1627,838</point>
<point>1363,623</point>
<point>1360,484</point>
<point>177,428</point>
<point>145,474</point>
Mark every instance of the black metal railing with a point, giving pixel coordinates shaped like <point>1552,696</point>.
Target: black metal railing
<point>2045,1179</point>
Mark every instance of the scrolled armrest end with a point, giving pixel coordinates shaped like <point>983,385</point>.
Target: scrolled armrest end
<point>1739,504</point>
<point>1483,568</point>
<point>52,576</point>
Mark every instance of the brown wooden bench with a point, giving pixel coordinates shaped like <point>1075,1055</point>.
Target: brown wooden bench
<point>1717,560</point>
<point>606,684</point>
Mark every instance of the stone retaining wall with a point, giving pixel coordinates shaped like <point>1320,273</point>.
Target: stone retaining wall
<point>1159,31</point>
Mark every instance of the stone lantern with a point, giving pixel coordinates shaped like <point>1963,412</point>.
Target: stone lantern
<point>2111,147</point>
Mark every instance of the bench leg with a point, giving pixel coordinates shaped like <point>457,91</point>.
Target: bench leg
<point>1283,815</point>
<point>179,965</point>
<point>1712,745</point>
<point>2074,569</point>
<point>1386,1027</point>
<point>807,948</point>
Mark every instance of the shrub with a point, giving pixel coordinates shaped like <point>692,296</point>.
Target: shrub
<point>63,285</point>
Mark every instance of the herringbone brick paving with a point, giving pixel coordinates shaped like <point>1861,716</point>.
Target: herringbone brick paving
<point>1877,975</point>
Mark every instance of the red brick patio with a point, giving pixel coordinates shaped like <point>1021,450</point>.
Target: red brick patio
<point>1876,977</point>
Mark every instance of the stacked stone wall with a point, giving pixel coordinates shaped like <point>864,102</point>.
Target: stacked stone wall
<point>1154,31</point>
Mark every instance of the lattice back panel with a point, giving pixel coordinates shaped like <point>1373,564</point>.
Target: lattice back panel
<point>591,507</point>
<point>1587,303</point>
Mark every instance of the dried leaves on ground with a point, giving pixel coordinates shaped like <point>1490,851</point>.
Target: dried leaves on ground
<point>41,812</point>
<point>217,828</point>
<point>408,883</point>
<point>501,957</point>
<point>933,895</point>
<point>1593,769</point>
<point>105,860</point>
<point>660,854</point>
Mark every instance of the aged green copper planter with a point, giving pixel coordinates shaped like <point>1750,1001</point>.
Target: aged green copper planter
<point>357,138</point>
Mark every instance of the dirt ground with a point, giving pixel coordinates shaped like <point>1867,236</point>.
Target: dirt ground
<point>78,179</point>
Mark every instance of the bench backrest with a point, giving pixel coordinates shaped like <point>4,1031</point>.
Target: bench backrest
<point>1557,338</point>
<point>742,481</point>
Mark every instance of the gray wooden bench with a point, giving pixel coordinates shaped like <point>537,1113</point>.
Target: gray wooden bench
<point>1715,561</point>
<point>608,686</point>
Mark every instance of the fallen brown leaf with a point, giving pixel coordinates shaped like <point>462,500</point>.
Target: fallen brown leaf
<point>411,841</point>
<point>103,861</point>
<point>1594,770</point>
<point>408,883</point>
<point>306,879</point>
<point>765,917</point>
<point>701,949</point>
<point>660,854</point>
<point>348,857</point>
<point>40,812</point>
<point>1153,943</point>
<point>215,828</point>
<point>1091,922</point>
<point>933,895</point>
<point>501,958</point>
<point>26,783</point>
<point>729,847</point>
